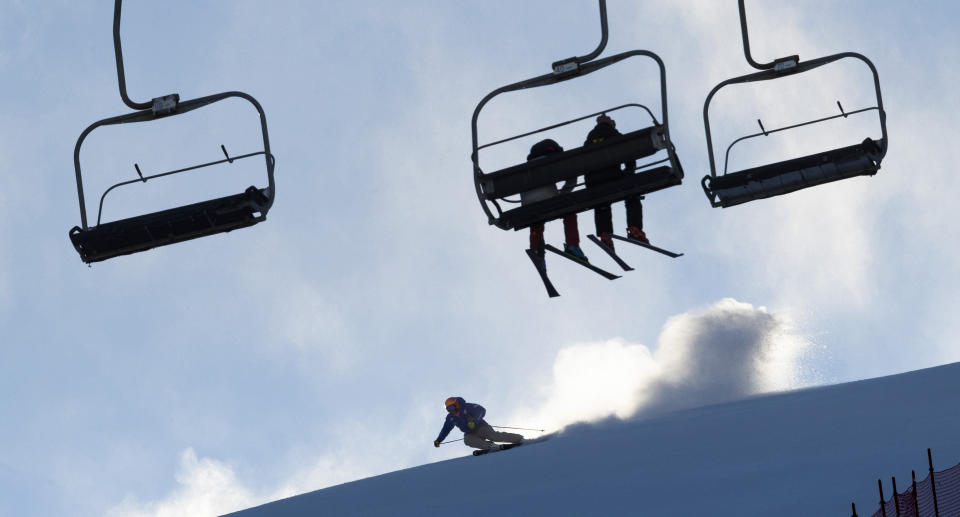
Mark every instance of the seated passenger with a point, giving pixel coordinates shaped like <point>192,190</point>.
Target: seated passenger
<point>602,215</point>
<point>571,232</point>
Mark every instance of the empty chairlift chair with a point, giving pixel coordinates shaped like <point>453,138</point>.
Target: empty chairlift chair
<point>143,232</point>
<point>859,159</point>
<point>494,188</point>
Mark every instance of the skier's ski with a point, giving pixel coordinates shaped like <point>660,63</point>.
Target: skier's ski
<point>552,291</point>
<point>505,446</point>
<point>613,255</point>
<point>648,246</point>
<point>584,263</point>
<point>501,447</point>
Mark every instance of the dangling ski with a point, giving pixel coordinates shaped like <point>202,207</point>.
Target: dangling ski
<point>584,263</point>
<point>648,246</point>
<point>551,291</point>
<point>613,255</point>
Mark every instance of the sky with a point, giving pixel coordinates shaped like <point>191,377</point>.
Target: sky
<point>317,347</point>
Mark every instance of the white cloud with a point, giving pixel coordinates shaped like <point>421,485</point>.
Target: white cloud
<point>205,487</point>
<point>208,487</point>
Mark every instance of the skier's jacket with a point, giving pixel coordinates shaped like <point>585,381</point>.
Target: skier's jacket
<point>598,134</point>
<point>539,150</point>
<point>468,413</point>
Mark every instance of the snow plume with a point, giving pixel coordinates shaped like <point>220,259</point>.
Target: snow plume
<point>726,352</point>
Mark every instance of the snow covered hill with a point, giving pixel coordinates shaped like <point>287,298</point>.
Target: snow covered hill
<point>807,452</point>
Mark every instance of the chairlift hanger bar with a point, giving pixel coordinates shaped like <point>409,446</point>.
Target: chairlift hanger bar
<point>781,65</point>
<point>571,66</point>
<point>160,105</point>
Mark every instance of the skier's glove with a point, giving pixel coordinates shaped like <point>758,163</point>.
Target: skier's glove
<point>471,424</point>
<point>436,443</point>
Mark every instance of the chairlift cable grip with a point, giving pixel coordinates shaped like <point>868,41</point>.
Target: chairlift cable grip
<point>571,66</point>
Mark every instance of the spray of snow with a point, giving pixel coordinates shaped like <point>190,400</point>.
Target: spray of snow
<point>726,352</point>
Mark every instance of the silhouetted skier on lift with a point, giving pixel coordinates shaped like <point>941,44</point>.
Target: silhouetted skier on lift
<point>477,433</point>
<point>570,231</point>
<point>603,217</point>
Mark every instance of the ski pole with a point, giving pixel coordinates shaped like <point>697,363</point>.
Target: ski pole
<point>518,428</point>
<point>451,441</point>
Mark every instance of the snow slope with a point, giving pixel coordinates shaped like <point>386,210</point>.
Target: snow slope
<point>807,452</point>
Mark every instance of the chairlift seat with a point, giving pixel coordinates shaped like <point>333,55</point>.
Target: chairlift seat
<point>795,174</point>
<point>570,164</point>
<point>140,233</point>
<point>640,183</point>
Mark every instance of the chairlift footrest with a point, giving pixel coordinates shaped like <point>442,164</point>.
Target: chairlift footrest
<point>791,175</point>
<point>140,233</point>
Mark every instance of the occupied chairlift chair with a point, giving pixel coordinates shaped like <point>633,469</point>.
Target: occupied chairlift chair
<point>106,240</point>
<point>862,159</point>
<point>494,187</point>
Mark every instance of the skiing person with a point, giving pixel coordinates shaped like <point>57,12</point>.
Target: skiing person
<point>605,128</point>
<point>477,433</point>
<point>570,231</point>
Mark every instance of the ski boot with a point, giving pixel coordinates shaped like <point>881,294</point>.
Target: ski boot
<point>573,249</point>
<point>637,234</point>
<point>607,240</point>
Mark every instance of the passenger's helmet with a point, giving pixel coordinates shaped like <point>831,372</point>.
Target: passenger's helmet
<point>604,119</point>
<point>543,148</point>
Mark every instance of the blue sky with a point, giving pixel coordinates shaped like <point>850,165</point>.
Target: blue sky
<point>317,347</point>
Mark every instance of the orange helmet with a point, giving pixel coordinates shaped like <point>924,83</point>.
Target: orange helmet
<point>453,404</point>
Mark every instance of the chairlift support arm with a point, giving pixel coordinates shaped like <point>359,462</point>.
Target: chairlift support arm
<point>784,64</point>
<point>571,66</point>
